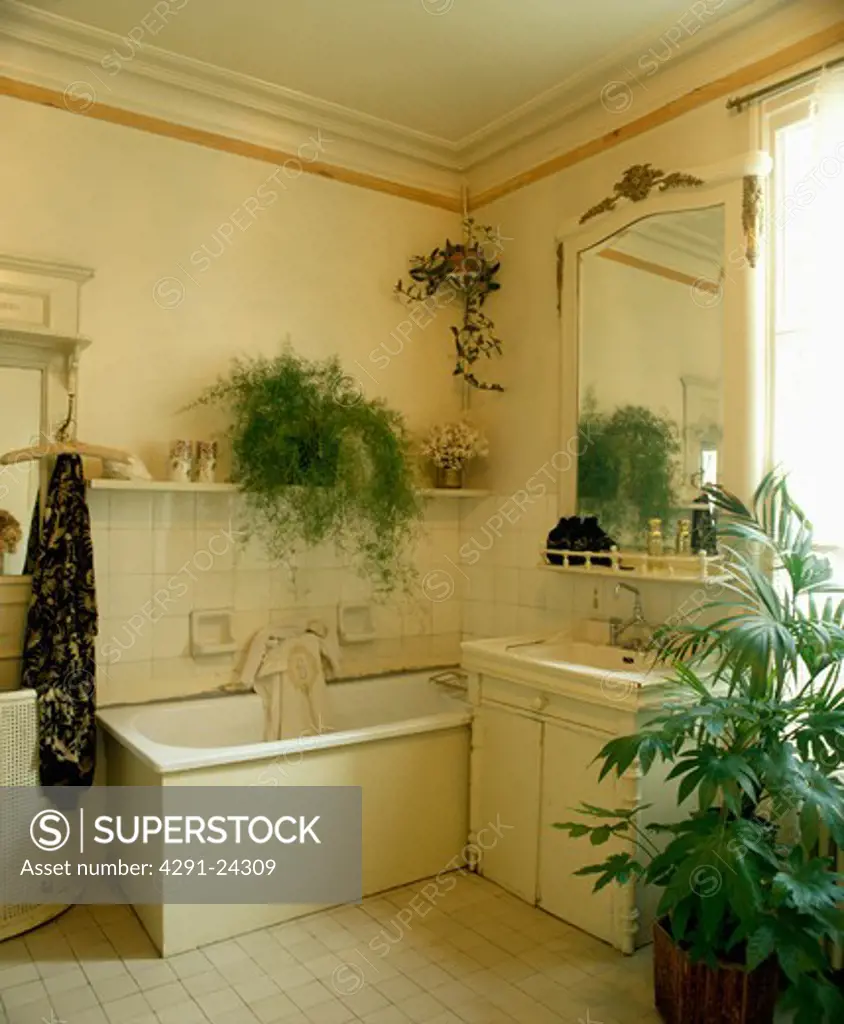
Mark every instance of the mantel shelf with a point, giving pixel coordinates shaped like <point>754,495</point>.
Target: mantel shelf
<point>102,484</point>
<point>43,337</point>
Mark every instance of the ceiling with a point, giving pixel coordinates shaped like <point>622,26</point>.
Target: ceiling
<point>451,69</point>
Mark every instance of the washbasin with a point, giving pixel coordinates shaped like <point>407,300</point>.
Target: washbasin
<point>600,657</point>
<point>562,657</point>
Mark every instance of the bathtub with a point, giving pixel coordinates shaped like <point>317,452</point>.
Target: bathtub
<point>403,738</point>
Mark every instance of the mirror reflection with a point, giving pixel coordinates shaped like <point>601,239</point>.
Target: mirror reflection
<point>20,423</point>
<point>650,381</point>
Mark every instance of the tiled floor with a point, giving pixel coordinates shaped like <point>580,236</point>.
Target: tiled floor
<point>470,955</point>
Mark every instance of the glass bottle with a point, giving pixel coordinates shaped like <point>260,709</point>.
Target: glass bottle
<point>655,546</point>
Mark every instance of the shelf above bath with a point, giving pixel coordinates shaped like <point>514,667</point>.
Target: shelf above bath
<point>102,484</point>
<point>452,492</point>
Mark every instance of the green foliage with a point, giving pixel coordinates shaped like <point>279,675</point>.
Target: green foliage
<point>628,471</point>
<point>756,743</point>
<point>317,461</point>
<point>466,275</point>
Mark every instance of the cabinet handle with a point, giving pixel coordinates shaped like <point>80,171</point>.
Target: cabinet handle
<point>539,703</point>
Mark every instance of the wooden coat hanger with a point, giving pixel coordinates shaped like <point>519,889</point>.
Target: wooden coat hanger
<point>65,444</point>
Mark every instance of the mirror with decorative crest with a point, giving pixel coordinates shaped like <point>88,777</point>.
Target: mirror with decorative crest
<point>661,293</point>
<point>650,371</point>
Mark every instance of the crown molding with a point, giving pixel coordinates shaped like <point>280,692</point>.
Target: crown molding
<point>49,46</point>
<point>54,53</point>
<point>184,98</point>
<point>586,91</point>
<point>680,93</point>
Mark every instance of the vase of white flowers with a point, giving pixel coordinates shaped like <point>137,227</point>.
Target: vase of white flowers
<point>450,446</point>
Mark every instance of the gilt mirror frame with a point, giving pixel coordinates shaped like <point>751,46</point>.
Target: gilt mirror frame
<point>643,191</point>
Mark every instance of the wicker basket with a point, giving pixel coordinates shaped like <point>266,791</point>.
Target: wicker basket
<point>686,992</point>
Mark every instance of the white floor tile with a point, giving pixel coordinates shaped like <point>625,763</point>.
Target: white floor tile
<point>479,956</point>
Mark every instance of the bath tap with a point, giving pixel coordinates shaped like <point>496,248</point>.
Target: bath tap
<point>618,627</point>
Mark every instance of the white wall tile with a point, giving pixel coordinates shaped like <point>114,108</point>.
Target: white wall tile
<point>129,551</point>
<point>446,616</point>
<point>213,509</point>
<point>121,640</point>
<point>282,589</point>
<point>171,637</point>
<point>172,549</point>
<point>130,510</point>
<point>174,510</point>
<point>98,508</point>
<point>252,590</point>
<point>213,590</point>
<point>173,593</point>
<point>417,617</point>
<point>533,587</point>
<point>506,585</point>
<point>215,549</point>
<point>505,619</point>
<point>99,539</point>
<point>127,594</point>
<point>318,587</point>
<point>251,554</point>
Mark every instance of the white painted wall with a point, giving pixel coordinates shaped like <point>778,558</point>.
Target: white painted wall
<point>200,256</point>
<point>251,257</point>
<point>505,591</point>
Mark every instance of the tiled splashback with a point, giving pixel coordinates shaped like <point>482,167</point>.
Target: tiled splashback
<point>505,592</point>
<point>161,555</point>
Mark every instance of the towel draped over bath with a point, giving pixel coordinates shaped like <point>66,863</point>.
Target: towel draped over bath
<point>284,666</point>
<point>61,631</point>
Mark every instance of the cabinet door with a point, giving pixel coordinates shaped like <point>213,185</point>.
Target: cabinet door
<point>506,811</point>
<point>568,778</point>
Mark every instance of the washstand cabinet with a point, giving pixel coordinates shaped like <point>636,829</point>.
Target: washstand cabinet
<point>536,733</point>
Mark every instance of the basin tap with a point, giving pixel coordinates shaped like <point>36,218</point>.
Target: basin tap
<point>619,627</point>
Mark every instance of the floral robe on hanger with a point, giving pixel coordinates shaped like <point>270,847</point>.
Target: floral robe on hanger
<point>61,630</point>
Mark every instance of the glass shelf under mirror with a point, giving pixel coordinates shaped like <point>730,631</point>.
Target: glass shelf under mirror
<point>667,568</point>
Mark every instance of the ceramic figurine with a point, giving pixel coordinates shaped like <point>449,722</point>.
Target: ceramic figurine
<point>206,462</point>
<point>181,461</point>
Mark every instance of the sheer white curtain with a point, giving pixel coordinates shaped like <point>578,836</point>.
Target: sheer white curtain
<point>809,309</point>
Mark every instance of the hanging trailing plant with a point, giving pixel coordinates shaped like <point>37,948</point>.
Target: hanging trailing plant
<point>317,461</point>
<point>467,272</point>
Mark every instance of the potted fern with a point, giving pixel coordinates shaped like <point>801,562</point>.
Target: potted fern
<point>755,740</point>
<point>317,461</point>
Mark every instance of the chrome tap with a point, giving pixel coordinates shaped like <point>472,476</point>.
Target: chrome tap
<point>618,627</point>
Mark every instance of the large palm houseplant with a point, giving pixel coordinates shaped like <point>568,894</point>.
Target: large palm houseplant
<point>754,737</point>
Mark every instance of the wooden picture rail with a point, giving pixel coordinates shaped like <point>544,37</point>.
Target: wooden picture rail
<point>748,75</point>
<point>699,283</point>
<point>223,143</point>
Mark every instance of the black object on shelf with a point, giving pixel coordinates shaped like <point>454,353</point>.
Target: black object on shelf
<point>573,534</point>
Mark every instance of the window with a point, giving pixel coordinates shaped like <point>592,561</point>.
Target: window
<point>807,422</point>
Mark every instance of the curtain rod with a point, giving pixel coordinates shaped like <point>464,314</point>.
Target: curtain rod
<point>740,102</point>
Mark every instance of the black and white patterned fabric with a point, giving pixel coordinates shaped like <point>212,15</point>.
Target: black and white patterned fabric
<point>61,631</point>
